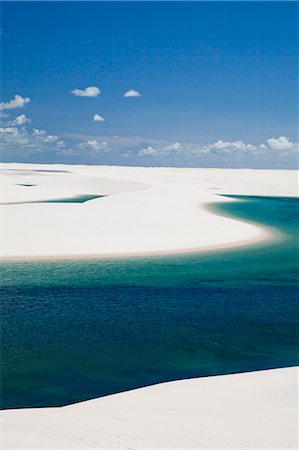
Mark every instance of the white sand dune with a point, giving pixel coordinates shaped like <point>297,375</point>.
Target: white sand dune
<point>257,410</point>
<point>146,210</point>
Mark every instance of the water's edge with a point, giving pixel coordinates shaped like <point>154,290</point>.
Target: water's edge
<point>77,330</point>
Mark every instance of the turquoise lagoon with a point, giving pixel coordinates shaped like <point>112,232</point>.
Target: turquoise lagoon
<point>73,330</point>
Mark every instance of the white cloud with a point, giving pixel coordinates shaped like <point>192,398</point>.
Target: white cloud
<point>132,93</point>
<point>281,146</point>
<point>17,102</point>
<point>149,151</point>
<point>44,137</point>
<point>228,147</point>
<point>165,150</point>
<point>236,145</point>
<point>51,138</point>
<point>94,145</point>
<point>14,136</point>
<point>21,120</point>
<point>91,91</point>
<point>98,118</point>
<point>117,142</point>
<point>282,143</point>
<point>18,121</point>
<point>17,140</point>
<point>40,133</point>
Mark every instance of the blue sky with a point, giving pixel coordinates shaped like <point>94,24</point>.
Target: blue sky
<point>217,83</point>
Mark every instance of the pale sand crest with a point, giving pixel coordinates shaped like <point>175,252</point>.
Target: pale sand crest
<point>256,410</point>
<point>146,211</point>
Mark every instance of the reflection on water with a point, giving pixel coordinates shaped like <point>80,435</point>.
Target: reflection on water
<point>79,329</point>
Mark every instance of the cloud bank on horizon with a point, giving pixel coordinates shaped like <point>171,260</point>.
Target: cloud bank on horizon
<point>18,141</point>
<point>213,94</point>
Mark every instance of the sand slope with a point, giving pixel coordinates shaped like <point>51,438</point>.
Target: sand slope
<point>257,410</point>
<point>146,210</point>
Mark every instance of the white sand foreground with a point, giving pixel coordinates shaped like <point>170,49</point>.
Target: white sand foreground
<point>256,410</point>
<point>146,211</point>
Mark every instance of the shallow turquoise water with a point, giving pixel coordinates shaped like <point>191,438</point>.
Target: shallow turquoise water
<point>77,199</point>
<point>74,330</point>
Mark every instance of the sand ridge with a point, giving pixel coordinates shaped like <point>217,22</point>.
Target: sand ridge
<point>144,211</point>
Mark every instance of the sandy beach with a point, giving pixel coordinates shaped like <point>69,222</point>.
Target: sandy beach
<point>256,410</point>
<point>144,211</point>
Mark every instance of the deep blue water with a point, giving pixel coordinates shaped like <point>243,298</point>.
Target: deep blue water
<point>79,329</point>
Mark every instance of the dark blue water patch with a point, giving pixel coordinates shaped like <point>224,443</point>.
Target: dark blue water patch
<point>63,345</point>
<point>76,330</point>
<point>75,199</point>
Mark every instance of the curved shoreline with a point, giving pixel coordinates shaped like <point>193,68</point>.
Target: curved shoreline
<point>166,217</point>
<point>265,235</point>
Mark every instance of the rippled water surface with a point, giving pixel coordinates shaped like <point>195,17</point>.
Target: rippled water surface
<point>79,329</point>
